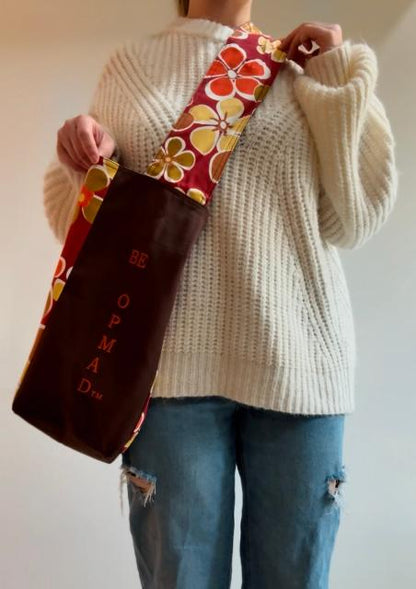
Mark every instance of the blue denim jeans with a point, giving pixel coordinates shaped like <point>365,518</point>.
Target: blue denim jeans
<point>179,472</point>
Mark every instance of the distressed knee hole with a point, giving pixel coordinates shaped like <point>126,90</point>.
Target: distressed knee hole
<point>335,487</point>
<point>142,483</point>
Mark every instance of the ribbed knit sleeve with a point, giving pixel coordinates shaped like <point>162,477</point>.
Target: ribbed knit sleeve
<point>61,184</point>
<point>354,141</point>
<point>60,192</point>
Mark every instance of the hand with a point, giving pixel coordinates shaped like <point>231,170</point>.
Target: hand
<point>326,36</point>
<point>81,140</point>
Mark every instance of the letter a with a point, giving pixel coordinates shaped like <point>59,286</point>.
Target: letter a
<point>94,364</point>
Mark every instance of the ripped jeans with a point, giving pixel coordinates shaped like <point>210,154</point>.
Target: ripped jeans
<point>179,472</point>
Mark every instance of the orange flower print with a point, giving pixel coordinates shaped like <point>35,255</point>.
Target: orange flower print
<point>265,45</point>
<point>219,129</point>
<point>171,160</point>
<point>217,164</point>
<point>233,73</point>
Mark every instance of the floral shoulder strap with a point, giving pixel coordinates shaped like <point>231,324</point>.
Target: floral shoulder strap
<point>194,153</point>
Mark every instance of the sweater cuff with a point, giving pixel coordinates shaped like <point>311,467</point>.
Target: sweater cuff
<point>333,67</point>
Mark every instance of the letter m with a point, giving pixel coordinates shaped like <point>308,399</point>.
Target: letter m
<point>105,344</point>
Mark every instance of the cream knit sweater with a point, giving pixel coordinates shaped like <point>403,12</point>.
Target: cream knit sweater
<point>263,314</point>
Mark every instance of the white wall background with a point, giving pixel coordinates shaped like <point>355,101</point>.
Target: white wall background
<point>61,525</point>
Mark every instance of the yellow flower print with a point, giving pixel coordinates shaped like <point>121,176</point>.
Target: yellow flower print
<point>219,129</point>
<point>265,45</point>
<point>171,160</point>
<point>250,27</point>
<point>245,29</point>
<point>90,198</point>
<point>196,194</point>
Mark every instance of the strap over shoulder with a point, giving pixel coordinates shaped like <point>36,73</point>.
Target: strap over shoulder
<point>193,155</point>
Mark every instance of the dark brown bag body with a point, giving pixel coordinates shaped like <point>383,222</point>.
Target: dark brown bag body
<point>96,361</point>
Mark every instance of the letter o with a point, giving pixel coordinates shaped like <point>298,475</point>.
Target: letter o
<point>123,297</point>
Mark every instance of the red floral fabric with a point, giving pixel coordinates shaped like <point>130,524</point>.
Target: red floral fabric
<point>195,151</point>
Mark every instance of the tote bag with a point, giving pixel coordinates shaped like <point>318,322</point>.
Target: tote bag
<point>88,380</point>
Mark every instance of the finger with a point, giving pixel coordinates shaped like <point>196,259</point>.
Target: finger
<point>106,146</point>
<point>320,34</point>
<point>297,32</point>
<point>286,41</point>
<point>300,57</point>
<point>104,140</point>
<point>65,139</point>
<point>99,133</point>
<point>307,44</point>
<point>86,140</point>
<point>305,33</point>
<point>66,159</point>
<point>293,47</point>
<point>311,36</point>
<point>298,51</point>
<point>78,141</point>
<point>72,146</point>
<point>305,39</point>
<point>65,152</point>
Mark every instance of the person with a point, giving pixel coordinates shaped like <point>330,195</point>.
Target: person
<point>257,370</point>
